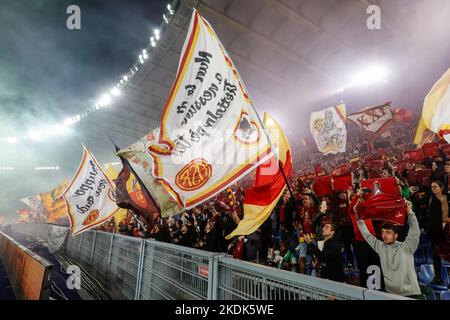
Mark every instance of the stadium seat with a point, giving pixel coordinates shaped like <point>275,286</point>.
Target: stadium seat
<point>428,254</point>
<point>419,256</point>
<point>426,275</point>
<point>445,263</point>
<point>445,295</point>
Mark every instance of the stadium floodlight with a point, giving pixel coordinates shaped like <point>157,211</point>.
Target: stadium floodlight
<point>105,100</point>
<point>115,92</point>
<point>169,7</point>
<point>165,19</point>
<point>125,78</point>
<point>68,122</point>
<point>11,140</point>
<point>372,74</point>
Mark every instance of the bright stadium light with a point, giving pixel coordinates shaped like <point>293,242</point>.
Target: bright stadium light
<point>115,92</point>
<point>372,74</point>
<point>165,19</point>
<point>34,134</point>
<point>169,8</point>
<point>125,78</point>
<point>11,140</point>
<point>105,100</point>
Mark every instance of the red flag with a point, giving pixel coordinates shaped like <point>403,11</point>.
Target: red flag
<point>341,170</point>
<point>323,186</point>
<point>318,169</point>
<point>431,150</point>
<point>402,115</point>
<point>415,155</point>
<point>374,164</point>
<point>342,183</point>
<point>387,185</point>
<point>385,207</point>
<point>401,165</point>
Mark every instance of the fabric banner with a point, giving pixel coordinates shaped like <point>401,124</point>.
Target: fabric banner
<point>131,195</point>
<point>402,115</point>
<point>90,197</point>
<point>373,119</point>
<point>384,207</point>
<point>414,155</point>
<point>323,186</point>
<point>142,164</point>
<point>210,134</point>
<point>311,176</point>
<point>436,110</point>
<point>431,150</point>
<point>328,127</point>
<point>261,199</point>
<point>342,183</point>
<point>56,237</point>
<point>54,206</point>
<point>386,185</point>
<point>34,202</point>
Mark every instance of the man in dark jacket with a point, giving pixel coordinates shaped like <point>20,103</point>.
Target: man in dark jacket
<point>331,260</point>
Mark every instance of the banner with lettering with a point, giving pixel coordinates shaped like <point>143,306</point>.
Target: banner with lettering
<point>329,129</point>
<point>210,134</point>
<point>373,119</point>
<point>90,197</point>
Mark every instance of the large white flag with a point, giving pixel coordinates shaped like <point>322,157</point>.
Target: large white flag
<point>373,119</point>
<point>210,133</point>
<point>90,197</point>
<point>328,127</point>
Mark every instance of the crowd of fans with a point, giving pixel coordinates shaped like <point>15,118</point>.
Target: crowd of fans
<point>323,236</point>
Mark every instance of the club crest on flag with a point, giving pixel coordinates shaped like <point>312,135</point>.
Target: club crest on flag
<point>194,175</point>
<point>246,131</point>
<point>135,192</point>
<point>90,197</point>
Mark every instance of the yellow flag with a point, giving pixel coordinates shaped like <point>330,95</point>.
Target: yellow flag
<point>54,205</point>
<point>436,110</point>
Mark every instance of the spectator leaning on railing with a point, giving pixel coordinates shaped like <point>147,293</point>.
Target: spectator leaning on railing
<point>397,258</point>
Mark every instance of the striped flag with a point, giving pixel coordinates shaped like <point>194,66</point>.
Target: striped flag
<point>269,186</point>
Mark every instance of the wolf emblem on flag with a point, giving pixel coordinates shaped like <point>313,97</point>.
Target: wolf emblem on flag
<point>329,130</point>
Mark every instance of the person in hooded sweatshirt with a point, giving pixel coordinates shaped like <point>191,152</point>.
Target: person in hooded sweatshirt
<point>397,258</point>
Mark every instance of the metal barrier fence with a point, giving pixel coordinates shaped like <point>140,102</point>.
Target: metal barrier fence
<point>140,269</point>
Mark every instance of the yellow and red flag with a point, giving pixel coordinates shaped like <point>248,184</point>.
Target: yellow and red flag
<point>269,186</point>
<point>54,206</point>
<point>436,111</point>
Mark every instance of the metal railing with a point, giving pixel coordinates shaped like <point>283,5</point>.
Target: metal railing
<point>133,268</point>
